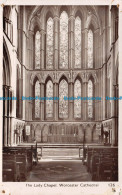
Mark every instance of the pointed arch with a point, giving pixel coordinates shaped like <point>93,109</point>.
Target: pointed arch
<point>90,102</point>
<point>63,104</point>
<point>77,102</point>
<point>36,101</point>
<point>78,42</point>
<point>37,49</point>
<point>90,48</point>
<point>63,40</point>
<point>49,102</point>
<point>49,43</point>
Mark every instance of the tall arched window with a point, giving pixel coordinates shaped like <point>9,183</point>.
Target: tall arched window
<point>77,103</point>
<point>63,104</point>
<point>49,44</point>
<point>90,49</point>
<point>37,50</point>
<point>37,101</point>
<point>49,103</point>
<point>77,42</point>
<point>90,102</point>
<point>63,40</point>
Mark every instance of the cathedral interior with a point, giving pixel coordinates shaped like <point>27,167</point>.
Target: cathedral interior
<point>57,52</point>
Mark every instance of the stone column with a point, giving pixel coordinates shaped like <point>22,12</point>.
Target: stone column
<point>56,102</point>
<point>43,37</point>
<point>85,102</point>
<point>85,48</point>
<point>71,42</point>
<point>71,102</point>
<point>5,94</point>
<point>56,42</point>
<point>104,102</point>
<point>42,102</point>
<point>8,117</point>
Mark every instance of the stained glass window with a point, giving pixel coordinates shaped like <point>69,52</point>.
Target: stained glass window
<point>37,50</point>
<point>77,42</point>
<point>90,102</point>
<point>63,104</point>
<point>90,49</point>
<point>63,40</point>
<point>37,102</point>
<point>77,103</point>
<point>49,103</point>
<point>49,44</point>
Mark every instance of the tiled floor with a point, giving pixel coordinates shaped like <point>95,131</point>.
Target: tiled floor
<point>57,171</point>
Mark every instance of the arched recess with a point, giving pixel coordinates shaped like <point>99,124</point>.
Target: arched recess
<point>90,48</point>
<point>77,103</point>
<point>88,134</point>
<point>45,133</point>
<point>49,41</point>
<point>91,103</point>
<point>49,92</point>
<point>7,104</point>
<point>37,48</point>
<point>36,102</point>
<point>94,40</point>
<point>81,134</point>
<point>63,38</point>
<point>38,133</point>
<point>63,104</point>
<point>78,39</point>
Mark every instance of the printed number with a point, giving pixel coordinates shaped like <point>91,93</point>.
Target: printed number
<point>111,185</point>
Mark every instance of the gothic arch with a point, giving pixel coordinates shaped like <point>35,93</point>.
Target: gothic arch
<point>38,133</point>
<point>92,21</point>
<point>35,23</point>
<point>64,8</point>
<point>45,132</point>
<point>49,77</point>
<point>35,76</point>
<point>46,12</point>
<point>63,76</point>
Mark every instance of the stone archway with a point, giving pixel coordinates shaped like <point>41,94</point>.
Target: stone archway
<point>38,133</point>
<point>45,133</point>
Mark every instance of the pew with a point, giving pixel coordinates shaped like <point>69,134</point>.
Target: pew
<point>10,169</point>
<point>102,163</point>
<point>19,163</point>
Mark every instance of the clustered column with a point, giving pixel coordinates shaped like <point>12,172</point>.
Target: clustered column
<point>42,101</point>
<point>42,42</point>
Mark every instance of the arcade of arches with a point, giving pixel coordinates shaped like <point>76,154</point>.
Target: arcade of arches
<point>57,51</point>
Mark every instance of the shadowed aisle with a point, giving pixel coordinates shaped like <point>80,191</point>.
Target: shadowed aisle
<point>57,171</point>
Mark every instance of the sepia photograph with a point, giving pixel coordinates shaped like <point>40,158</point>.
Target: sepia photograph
<point>60,94</point>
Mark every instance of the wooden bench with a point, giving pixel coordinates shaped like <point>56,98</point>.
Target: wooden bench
<point>102,163</point>
<point>21,161</point>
